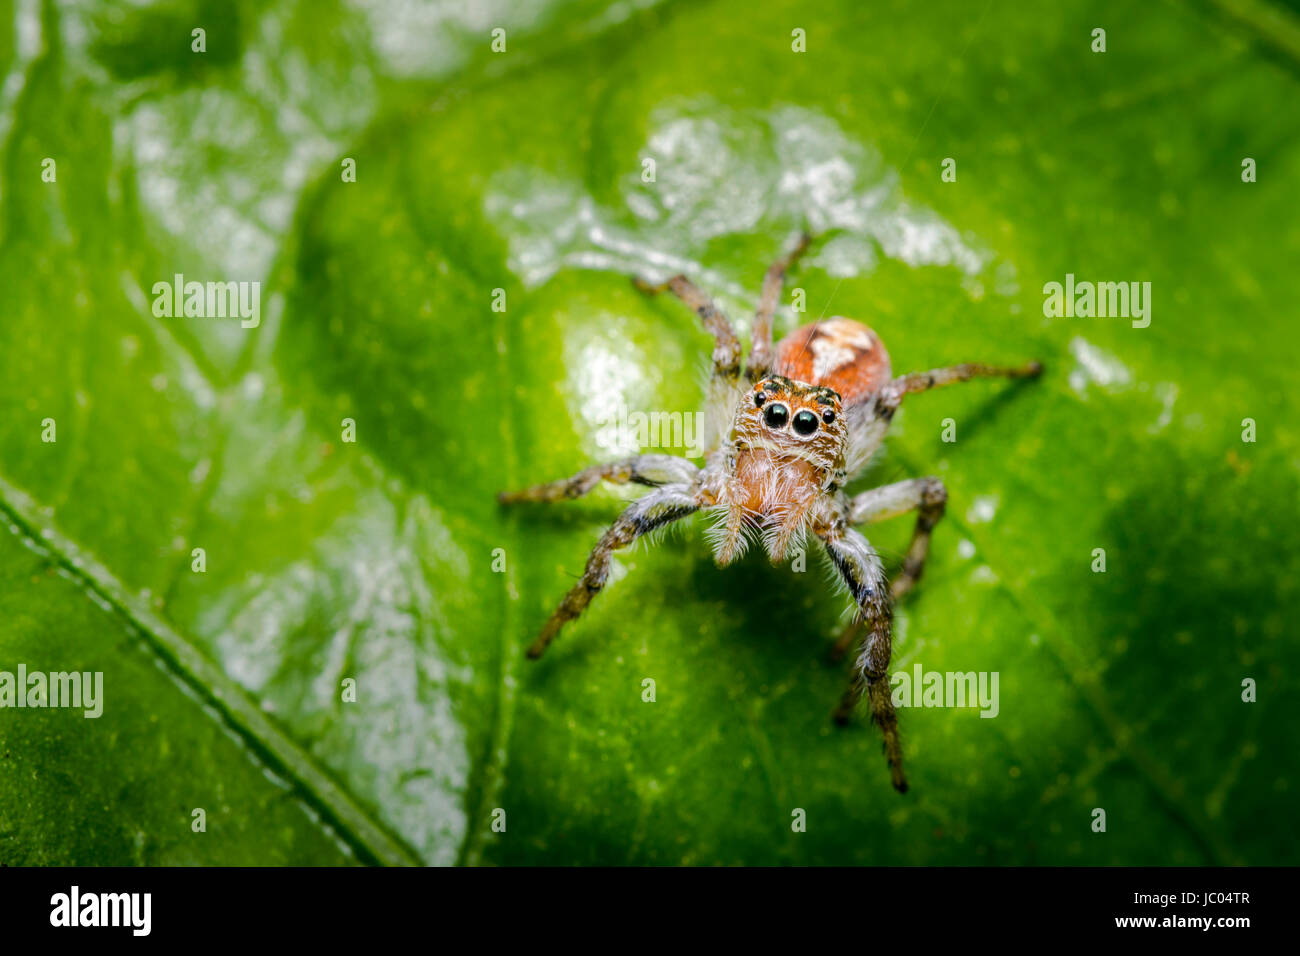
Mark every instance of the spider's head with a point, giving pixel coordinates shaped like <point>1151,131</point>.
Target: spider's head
<point>792,419</point>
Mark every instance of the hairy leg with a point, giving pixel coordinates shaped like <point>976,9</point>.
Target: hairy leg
<point>860,568</point>
<point>926,496</point>
<point>935,378</point>
<point>657,509</point>
<point>870,420</point>
<point>760,353</point>
<point>652,470</point>
<point>726,347</point>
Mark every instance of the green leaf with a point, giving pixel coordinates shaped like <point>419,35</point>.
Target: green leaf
<point>380,560</point>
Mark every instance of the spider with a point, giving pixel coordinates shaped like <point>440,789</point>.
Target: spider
<point>787,433</point>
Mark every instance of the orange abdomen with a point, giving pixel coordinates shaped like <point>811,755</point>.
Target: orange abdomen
<point>839,353</point>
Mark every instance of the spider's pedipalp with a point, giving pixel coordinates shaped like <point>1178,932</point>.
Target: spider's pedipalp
<point>784,530</point>
<point>730,533</point>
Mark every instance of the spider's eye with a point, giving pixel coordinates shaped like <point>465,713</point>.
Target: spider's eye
<point>828,417</point>
<point>805,423</point>
<point>776,415</point>
<point>759,399</point>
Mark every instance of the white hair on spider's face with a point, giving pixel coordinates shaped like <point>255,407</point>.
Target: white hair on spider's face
<point>785,451</point>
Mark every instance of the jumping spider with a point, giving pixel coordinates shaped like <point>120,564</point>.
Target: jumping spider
<point>785,441</point>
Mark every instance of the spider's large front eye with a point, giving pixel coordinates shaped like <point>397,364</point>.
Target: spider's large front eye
<point>805,423</point>
<point>776,415</point>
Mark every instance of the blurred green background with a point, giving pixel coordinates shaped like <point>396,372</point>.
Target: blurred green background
<point>522,171</point>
